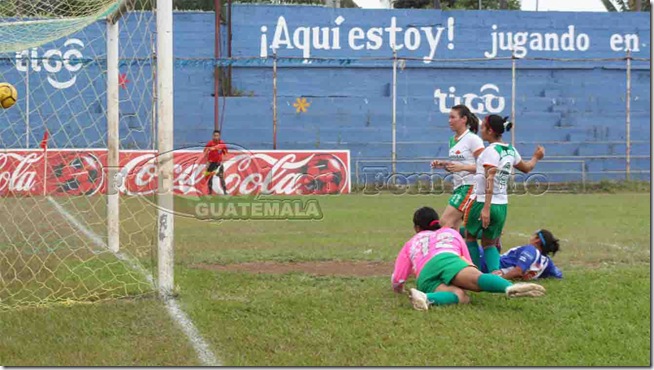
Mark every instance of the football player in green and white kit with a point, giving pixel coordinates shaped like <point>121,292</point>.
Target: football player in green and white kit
<point>488,213</point>
<point>465,146</point>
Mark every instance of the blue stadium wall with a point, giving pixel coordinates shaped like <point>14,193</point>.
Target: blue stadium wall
<point>575,108</point>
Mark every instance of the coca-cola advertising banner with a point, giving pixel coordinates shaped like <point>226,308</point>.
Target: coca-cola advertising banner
<point>85,172</point>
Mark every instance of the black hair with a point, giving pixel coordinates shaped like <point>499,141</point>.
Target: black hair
<point>426,218</point>
<point>551,244</point>
<point>216,131</point>
<point>472,120</point>
<point>498,124</point>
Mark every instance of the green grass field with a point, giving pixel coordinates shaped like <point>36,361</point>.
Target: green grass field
<point>599,314</point>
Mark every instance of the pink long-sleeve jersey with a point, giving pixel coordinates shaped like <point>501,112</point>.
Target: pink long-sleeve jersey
<point>422,247</point>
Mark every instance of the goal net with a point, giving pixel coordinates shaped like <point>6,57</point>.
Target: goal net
<point>73,226</point>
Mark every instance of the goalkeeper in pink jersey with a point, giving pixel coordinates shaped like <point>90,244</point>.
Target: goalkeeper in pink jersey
<point>439,258</point>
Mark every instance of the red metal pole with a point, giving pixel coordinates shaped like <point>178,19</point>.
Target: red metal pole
<point>229,28</point>
<point>216,85</point>
<point>229,44</point>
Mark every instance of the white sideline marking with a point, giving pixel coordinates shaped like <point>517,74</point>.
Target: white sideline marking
<point>201,347</point>
<point>176,313</point>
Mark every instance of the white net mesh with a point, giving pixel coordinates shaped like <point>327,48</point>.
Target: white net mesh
<point>53,203</point>
<point>35,22</point>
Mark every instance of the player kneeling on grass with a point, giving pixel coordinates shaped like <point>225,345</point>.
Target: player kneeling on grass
<point>531,261</point>
<point>440,259</point>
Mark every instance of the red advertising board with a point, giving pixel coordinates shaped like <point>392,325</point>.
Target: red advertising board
<point>84,172</point>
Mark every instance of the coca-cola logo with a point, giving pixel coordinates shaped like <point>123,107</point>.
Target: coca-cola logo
<point>246,176</point>
<point>245,173</point>
<point>238,183</point>
<point>18,173</point>
<point>62,172</point>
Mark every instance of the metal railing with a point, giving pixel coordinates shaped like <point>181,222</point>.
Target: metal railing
<point>360,167</point>
<point>400,62</point>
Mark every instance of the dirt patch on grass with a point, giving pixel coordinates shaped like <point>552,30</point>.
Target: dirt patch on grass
<point>321,268</point>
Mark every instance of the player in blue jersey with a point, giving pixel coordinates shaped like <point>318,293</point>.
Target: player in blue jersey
<point>531,261</point>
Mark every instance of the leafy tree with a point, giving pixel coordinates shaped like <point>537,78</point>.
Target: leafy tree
<point>626,5</point>
<point>457,4</point>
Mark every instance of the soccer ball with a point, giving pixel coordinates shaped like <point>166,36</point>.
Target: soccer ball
<point>8,95</point>
<point>324,174</point>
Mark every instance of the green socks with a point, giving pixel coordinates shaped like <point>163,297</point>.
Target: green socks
<point>473,248</point>
<point>493,283</point>
<point>442,298</point>
<point>492,258</point>
<point>487,283</point>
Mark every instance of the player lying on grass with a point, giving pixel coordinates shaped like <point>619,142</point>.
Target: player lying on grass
<point>441,261</point>
<point>465,147</point>
<point>531,261</point>
<point>488,213</point>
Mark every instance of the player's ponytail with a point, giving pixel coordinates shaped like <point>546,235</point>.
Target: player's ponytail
<point>549,244</point>
<point>473,123</point>
<point>508,125</point>
<point>426,218</point>
<point>498,125</point>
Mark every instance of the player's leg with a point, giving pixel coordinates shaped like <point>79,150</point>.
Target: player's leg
<point>208,174</point>
<point>431,282</point>
<point>443,295</point>
<point>457,204</point>
<point>210,184</point>
<point>491,235</point>
<point>452,217</point>
<point>472,279</point>
<point>221,175</point>
<point>472,220</point>
<point>434,283</point>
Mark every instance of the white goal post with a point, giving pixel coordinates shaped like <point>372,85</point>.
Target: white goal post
<point>165,219</point>
<point>95,83</point>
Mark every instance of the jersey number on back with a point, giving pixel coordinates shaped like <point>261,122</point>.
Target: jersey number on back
<point>421,245</point>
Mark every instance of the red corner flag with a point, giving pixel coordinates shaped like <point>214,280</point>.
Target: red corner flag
<point>44,142</point>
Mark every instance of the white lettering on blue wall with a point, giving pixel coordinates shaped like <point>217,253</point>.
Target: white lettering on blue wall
<point>523,42</point>
<point>307,38</point>
<point>626,42</point>
<point>53,61</point>
<point>486,102</point>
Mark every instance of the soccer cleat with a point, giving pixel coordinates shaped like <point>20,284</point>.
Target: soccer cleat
<point>525,290</point>
<point>419,300</point>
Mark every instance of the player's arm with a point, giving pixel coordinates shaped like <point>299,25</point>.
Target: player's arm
<point>438,164</point>
<point>526,258</point>
<point>402,270</point>
<point>514,273</point>
<point>529,165</point>
<point>472,168</point>
<point>490,181</point>
<point>554,271</point>
<point>457,167</point>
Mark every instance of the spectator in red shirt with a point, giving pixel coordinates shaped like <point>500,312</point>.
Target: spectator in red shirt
<point>213,154</point>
